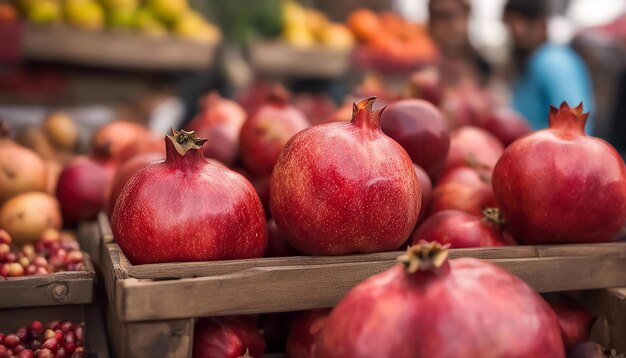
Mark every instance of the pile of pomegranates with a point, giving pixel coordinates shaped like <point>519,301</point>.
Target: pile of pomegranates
<point>227,337</point>
<point>56,339</point>
<point>54,252</point>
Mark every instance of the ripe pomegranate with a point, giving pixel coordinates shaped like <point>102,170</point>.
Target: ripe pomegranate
<point>61,131</point>
<point>124,173</point>
<point>227,337</point>
<point>421,130</point>
<point>315,107</point>
<point>187,209</point>
<point>429,306</point>
<point>472,146</point>
<point>150,143</point>
<point>277,244</point>
<point>507,125</point>
<point>27,216</point>
<point>464,189</point>
<point>266,132</point>
<point>426,84</point>
<point>559,186</point>
<point>341,188</point>
<point>81,189</point>
<point>110,140</point>
<point>574,320</point>
<point>21,169</point>
<point>220,120</point>
<point>459,229</point>
<point>305,332</point>
<point>426,188</point>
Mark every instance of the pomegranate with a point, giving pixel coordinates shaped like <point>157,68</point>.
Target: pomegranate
<point>61,131</point>
<point>150,143</point>
<point>187,209</point>
<point>227,337</point>
<point>459,229</point>
<point>559,186</point>
<point>220,120</point>
<point>81,189</point>
<point>124,173</point>
<point>421,130</point>
<point>464,189</point>
<point>277,244</point>
<point>473,146</point>
<point>305,333</point>
<point>426,188</point>
<point>110,140</point>
<point>574,320</point>
<point>21,169</point>
<point>266,132</point>
<point>316,107</point>
<point>429,306</point>
<point>27,216</point>
<point>507,125</point>
<point>341,188</point>
<point>426,84</point>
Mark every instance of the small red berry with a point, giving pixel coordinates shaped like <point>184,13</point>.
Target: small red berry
<point>11,340</point>
<point>51,343</point>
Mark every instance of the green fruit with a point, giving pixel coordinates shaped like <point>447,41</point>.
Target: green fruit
<point>43,11</point>
<point>86,14</point>
<point>169,11</point>
<point>148,23</point>
<point>121,17</point>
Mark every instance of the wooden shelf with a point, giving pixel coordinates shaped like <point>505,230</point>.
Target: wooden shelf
<point>114,49</point>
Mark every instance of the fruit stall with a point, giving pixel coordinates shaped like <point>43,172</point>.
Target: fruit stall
<point>340,184</point>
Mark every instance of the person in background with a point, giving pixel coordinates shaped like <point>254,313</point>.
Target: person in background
<point>448,26</point>
<point>546,74</point>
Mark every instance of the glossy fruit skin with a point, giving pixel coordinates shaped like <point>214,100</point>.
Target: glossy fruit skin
<point>81,189</point>
<point>473,146</point>
<point>220,120</point>
<point>574,320</point>
<point>559,186</point>
<point>227,337</point>
<point>277,244</point>
<point>507,125</point>
<point>466,309</point>
<point>305,333</point>
<point>464,189</point>
<point>21,170</point>
<point>459,229</point>
<point>125,172</point>
<point>421,130</point>
<point>426,188</point>
<point>202,212</point>
<point>343,188</point>
<point>266,132</point>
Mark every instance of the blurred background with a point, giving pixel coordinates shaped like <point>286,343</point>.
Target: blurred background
<point>151,61</point>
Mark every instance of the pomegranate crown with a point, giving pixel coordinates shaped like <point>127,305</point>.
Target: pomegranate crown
<point>183,141</point>
<point>363,114</point>
<point>246,354</point>
<point>494,217</point>
<point>424,256</point>
<point>566,117</point>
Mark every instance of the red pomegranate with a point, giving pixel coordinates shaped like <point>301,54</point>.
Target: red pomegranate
<point>429,306</point>
<point>559,186</point>
<point>315,107</point>
<point>507,125</point>
<point>341,188</point>
<point>277,244</point>
<point>187,209</point>
<point>426,188</point>
<point>110,140</point>
<point>460,229</point>
<point>266,132</point>
<point>472,146</point>
<point>464,189</point>
<point>426,84</point>
<point>574,320</point>
<point>421,130</point>
<point>124,173</point>
<point>150,143</point>
<point>227,337</point>
<point>305,332</point>
<point>220,121</point>
<point>81,189</point>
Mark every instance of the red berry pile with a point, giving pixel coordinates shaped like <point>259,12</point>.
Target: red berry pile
<point>52,253</point>
<point>58,339</point>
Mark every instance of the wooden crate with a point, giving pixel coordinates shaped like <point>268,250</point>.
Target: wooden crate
<point>94,333</point>
<point>60,288</point>
<point>609,329</point>
<point>277,58</point>
<point>114,49</point>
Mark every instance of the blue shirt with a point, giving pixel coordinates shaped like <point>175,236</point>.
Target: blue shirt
<point>553,74</point>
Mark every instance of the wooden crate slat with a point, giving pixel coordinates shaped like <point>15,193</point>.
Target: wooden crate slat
<point>58,288</point>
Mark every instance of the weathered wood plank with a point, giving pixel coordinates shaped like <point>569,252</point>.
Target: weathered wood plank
<point>105,228</point>
<point>609,329</point>
<point>288,288</point>
<point>90,240</point>
<point>58,288</point>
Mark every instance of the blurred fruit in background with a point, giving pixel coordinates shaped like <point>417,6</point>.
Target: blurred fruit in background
<point>42,11</point>
<point>304,27</point>
<point>86,14</point>
<point>193,26</point>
